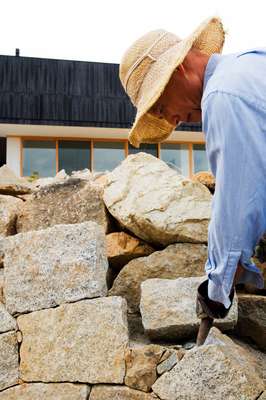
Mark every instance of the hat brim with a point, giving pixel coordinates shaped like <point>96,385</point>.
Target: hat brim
<point>208,38</point>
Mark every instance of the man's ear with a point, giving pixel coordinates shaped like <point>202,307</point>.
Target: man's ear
<point>181,71</point>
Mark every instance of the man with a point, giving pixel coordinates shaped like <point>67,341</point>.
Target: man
<point>171,80</point>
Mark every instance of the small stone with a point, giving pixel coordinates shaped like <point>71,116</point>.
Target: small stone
<point>122,248</point>
<point>189,345</point>
<point>206,178</point>
<point>169,363</point>
<point>7,322</point>
<point>49,391</point>
<point>141,366</point>
<point>19,336</point>
<point>8,360</point>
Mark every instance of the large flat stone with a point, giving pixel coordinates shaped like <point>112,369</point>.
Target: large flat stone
<point>7,322</point>
<point>218,370</point>
<point>9,208</point>
<point>69,202</point>
<point>105,392</point>
<point>252,318</point>
<point>46,391</point>
<point>168,308</point>
<point>156,203</point>
<point>79,342</point>
<point>8,360</point>
<point>177,260</point>
<point>52,266</point>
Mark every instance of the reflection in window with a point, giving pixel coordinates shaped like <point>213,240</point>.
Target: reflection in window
<point>73,155</point>
<point>150,148</point>
<point>107,155</point>
<point>176,156</point>
<point>199,158</point>
<point>39,158</point>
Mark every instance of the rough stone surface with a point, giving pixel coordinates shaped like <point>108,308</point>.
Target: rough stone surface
<point>141,363</point>
<point>104,392</point>
<point>177,260</point>
<point>173,357</point>
<point>218,370</point>
<point>10,184</point>
<point>252,318</point>
<point>1,285</point>
<point>79,342</point>
<point>7,322</point>
<point>122,248</point>
<point>52,266</point>
<point>46,391</point>
<point>263,396</point>
<point>8,360</point>
<point>168,308</point>
<point>9,207</point>
<point>206,178</point>
<point>258,355</point>
<point>156,203</point>
<point>69,202</point>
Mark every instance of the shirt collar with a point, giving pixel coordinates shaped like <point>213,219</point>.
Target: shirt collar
<point>210,68</point>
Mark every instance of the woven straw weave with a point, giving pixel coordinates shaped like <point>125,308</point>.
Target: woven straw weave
<point>147,66</point>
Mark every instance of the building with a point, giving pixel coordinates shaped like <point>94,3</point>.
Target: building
<point>63,114</point>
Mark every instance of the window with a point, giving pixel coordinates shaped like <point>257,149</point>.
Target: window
<point>39,157</point>
<point>200,158</point>
<point>73,155</point>
<point>176,156</point>
<point>107,155</point>
<point>146,147</point>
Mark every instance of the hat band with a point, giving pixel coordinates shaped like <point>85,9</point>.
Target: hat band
<point>139,60</point>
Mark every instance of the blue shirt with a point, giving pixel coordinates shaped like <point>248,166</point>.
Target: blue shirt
<point>234,124</point>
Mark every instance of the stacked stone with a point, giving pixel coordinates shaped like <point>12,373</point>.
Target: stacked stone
<point>98,282</point>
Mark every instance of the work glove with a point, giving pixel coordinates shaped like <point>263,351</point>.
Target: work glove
<point>205,307</point>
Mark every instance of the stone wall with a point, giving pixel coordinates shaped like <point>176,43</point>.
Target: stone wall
<point>98,281</point>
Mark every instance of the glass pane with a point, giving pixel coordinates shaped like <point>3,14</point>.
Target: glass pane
<point>150,148</point>
<point>107,155</point>
<point>176,156</point>
<point>200,158</point>
<point>73,155</point>
<point>39,158</point>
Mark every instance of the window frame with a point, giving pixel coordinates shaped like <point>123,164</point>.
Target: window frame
<point>92,140</point>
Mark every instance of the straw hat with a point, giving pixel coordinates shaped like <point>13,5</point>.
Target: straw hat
<point>147,66</point>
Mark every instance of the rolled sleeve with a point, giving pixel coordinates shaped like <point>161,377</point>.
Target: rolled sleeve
<point>235,144</point>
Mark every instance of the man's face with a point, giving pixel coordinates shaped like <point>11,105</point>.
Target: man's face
<point>180,101</point>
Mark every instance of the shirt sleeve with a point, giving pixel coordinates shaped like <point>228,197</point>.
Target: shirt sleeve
<point>235,144</point>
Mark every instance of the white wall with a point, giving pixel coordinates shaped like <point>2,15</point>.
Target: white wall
<point>13,154</point>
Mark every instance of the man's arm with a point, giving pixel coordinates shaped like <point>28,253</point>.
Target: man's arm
<point>235,149</point>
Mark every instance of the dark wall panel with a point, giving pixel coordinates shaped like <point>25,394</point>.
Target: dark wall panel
<point>63,92</point>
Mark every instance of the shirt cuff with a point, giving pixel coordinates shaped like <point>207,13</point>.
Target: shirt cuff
<point>220,285</point>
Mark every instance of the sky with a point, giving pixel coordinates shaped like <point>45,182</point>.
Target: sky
<point>101,30</point>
